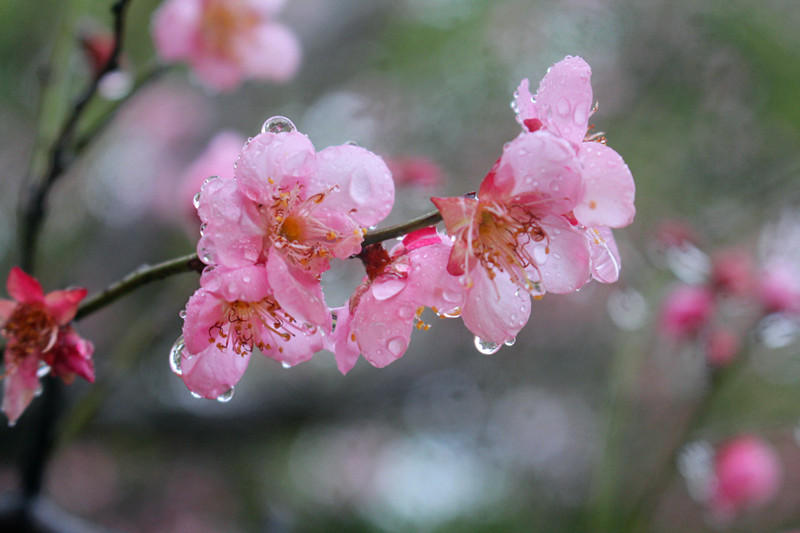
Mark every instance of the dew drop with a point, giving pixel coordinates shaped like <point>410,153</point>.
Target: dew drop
<point>43,369</point>
<point>203,227</point>
<point>286,365</point>
<point>196,200</point>
<point>278,124</point>
<point>351,143</point>
<point>562,106</point>
<point>195,395</point>
<point>453,313</point>
<point>511,341</point>
<point>405,312</point>
<point>225,396</point>
<point>486,347</point>
<point>182,313</point>
<point>175,355</point>
<point>540,254</point>
<point>396,346</point>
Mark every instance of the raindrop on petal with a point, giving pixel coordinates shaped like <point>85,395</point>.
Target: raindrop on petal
<point>486,347</point>
<point>196,200</point>
<point>195,395</point>
<point>286,365</point>
<point>225,396</point>
<point>43,370</point>
<point>396,346</point>
<point>511,341</point>
<point>278,124</point>
<point>175,354</point>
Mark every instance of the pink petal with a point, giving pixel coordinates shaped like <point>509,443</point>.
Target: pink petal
<point>363,184</point>
<point>19,387</point>
<point>523,104</point>
<point>458,213</point>
<point>217,73</point>
<point>495,310</point>
<point>217,159</point>
<point>298,293</point>
<point>23,287</point>
<point>63,305</point>
<point>213,372</point>
<point>539,171</point>
<point>344,348</point>
<point>605,258</point>
<point>203,311</point>
<point>7,308</point>
<point>383,328</point>
<point>564,99</point>
<point>269,52</point>
<point>71,355</point>
<point>609,189</point>
<point>286,158</point>
<point>304,342</point>
<point>429,283</point>
<point>175,26</point>
<point>562,260</point>
<point>246,284</point>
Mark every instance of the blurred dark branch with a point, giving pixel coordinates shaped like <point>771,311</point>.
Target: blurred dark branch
<point>58,162</point>
<point>136,279</point>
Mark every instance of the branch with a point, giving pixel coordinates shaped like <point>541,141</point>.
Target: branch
<point>399,230</point>
<point>136,279</point>
<point>35,210</point>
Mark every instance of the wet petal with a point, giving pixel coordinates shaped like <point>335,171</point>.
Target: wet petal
<point>341,343</point>
<point>605,258</point>
<point>495,310</point>
<point>564,99</point>
<point>609,189</point>
<point>269,52</point>
<point>562,260</point>
<point>23,287</point>
<point>19,387</point>
<point>383,328</point>
<point>298,293</point>
<point>286,158</point>
<point>213,371</point>
<point>63,305</point>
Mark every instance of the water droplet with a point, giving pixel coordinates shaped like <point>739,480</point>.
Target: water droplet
<point>562,106</point>
<point>210,178</point>
<point>405,312</point>
<point>182,313</point>
<point>453,313</point>
<point>203,227</point>
<point>278,124</point>
<point>43,369</point>
<point>196,200</point>
<point>225,396</point>
<point>175,355</point>
<point>351,143</point>
<point>511,341</point>
<point>451,296</point>
<point>286,365</point>
<point>396,346</point>
<point>195,395</point>
<point>540,254</point>
<point>486,347</point>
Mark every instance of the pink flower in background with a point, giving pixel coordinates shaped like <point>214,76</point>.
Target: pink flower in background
<point>218,159</point>
<point>35,327</point>
<point>379,318</point>
<point>748,475</point>
<point>732,272</point>
<point>227,41</point>
<point>416,172</point>
<point>722,346</point>
<point>294,209</point>
<point>687,310</point>
<point>779,288</point>
<point>233,312</point>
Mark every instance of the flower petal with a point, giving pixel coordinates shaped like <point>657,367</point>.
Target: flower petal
<point>286,159</point>
<point>213,371</point>
<point>269,52</point>
<point>23,287</point>
<point>495,309</point>
<point>564,100</point>
<point>19,387</point>
<point>174,28</point>
<point>605,258</point>
<point>609,189</point>
<point>341,343</point>
<point>383,328</point>
<point>298,293</point>
<point>562,261</point>
<point>63,305</point>
<point>304,342</point>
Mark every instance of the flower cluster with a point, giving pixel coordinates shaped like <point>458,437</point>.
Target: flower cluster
<point>540,223</point>
<point>39,339</point>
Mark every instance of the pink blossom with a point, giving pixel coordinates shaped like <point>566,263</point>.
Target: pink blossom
<point>722,346</point>
<point>732,272</point>
<point>516,236</point>
<point>380,316</point>
<point>36,329</point>
<point>562,106</point>
<point>217,159</point>
<point>416,172</point>
<point>748,475</point>
<point>294,210</point>
<point>686,310</point>
<point>227,41</point>
<point>778,288</point>
<point>233,312</point>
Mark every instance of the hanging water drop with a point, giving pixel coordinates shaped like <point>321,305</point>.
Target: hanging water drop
<point>486,347</point>
<point>511,341</point>
<point>196,200</point>
<point>286,365</point>
<point>195,395</point>
<point>225,396</point>
<point>43,369</point>
<point>203,227</point>
<point>175,355</point>
<point>278,124</point>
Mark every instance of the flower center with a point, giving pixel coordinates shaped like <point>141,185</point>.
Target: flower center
<point>30,329</point>
<point>222,21</point>
<point>502,238</point>
<point>245,325</point>
<point>305,239</point>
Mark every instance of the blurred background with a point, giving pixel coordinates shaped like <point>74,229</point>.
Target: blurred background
<point>581,425</point>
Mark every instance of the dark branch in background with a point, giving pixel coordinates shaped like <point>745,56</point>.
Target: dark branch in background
<point>399,230</point>
<point>136,279</point>
<point>58,162</point>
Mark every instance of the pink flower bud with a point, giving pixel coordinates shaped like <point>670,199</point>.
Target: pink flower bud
<point>686,310</point>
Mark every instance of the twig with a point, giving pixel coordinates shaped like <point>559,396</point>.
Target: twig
<point>399,230</point>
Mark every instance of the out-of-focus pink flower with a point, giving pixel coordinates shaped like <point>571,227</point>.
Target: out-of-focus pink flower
<point>36,330</point>
<point>227,41</point>
<point>416,172</point>
<point>686,310</point>
<point>294,209</point>
<point>748,475</point>
<point>98,44</point>
<point>732,272</point>
<point>379,318</point>
<point>722,345</point>
<point>233,312</point>
<point>218,159</point>
<point>779,288</point>
<point>562,106</point>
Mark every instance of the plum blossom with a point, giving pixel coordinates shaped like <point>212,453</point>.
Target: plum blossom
<point>747,475</point>
<point>37,332</point>
<point>687,310</point>
<point>233,312</point>
<point>292,210</point>
<point>227,41</point>
<point>381,314</point>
